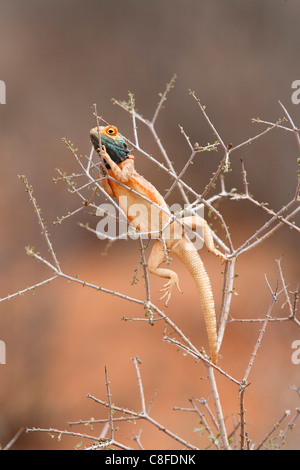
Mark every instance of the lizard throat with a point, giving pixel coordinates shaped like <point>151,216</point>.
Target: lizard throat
<point>116,152</point>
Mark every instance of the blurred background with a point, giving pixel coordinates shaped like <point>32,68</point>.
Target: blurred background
<point>58,58</point>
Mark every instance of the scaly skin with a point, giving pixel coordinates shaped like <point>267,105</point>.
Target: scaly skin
<point>120,167</point>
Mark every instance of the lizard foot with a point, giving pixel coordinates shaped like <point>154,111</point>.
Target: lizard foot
<point>167,289</point>
<point>219,254</point>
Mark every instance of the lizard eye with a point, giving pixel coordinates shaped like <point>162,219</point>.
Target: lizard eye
<point>112,130</point>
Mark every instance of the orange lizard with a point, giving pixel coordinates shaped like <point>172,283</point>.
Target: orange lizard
<point>123,182</point>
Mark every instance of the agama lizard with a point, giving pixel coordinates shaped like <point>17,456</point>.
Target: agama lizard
<point>123,180</point>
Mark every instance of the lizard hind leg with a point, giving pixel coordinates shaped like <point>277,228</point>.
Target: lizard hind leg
<point>157,256</point>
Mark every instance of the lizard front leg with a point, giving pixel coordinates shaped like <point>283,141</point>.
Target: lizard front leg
<point>107,188</point>
<point>157,256</point>
<point>120,174</point>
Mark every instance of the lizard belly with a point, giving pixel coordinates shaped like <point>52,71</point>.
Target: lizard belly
<point>145,217</point>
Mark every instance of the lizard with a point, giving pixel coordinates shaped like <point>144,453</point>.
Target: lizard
<point>130,188</point>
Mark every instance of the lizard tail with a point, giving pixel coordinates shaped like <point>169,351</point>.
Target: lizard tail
<point>188,254</point>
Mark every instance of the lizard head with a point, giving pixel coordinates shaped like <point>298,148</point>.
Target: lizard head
<point>114,142</point>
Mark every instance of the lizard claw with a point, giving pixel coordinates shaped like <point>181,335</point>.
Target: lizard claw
<point>167,289</point>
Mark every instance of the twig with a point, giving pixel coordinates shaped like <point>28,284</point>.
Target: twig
<point>198,355</point>
<point>295,129</point>
<point>29,289</point>
<point>163,98</point>
<point>243,434</point>
<point>192,93</point>
<point>146,277</point>
<point>195,409</point>
<point>278,261</point>
<point>37,210</point>
<point>276,425</point>
<point>220,418</point>
<point>289,427</point>
<point>144,415</point>
<point>87,191</point>
<point>136,361</point>
<point>111,427</point>
<point>204,402</point>
<point>226,301</point>
<point>259,340</point>
<point>14,439</point>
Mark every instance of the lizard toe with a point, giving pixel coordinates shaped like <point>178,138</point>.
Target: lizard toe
<point>167,289</point>
<point>166,295</point>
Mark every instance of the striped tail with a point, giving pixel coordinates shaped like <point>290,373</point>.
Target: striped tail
<point>188,254</point>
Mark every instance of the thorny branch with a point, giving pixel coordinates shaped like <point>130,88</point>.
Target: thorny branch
<point>91,189</point>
